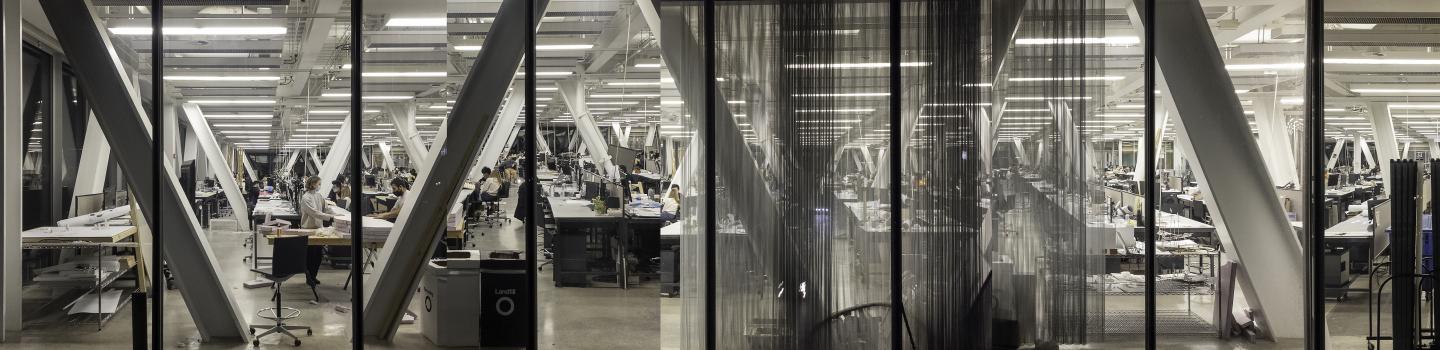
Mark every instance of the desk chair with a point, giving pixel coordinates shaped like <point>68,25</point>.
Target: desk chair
<point>288,259</point>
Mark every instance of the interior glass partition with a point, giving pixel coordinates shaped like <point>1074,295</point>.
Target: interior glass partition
<point>801,203</point>
<point>248,82</point>
<point>82,246</point>
<point>954,277</point>
<point>1379,106</point>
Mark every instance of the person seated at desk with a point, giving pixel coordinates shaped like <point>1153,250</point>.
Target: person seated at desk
<point>670,205</point>
<point>490,185</point>
<point>398,186</point>
<point>314,212</point>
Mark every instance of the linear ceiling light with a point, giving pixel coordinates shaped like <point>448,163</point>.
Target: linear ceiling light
<point>242,125</point>
<point>1109,40</point>
<point>239,116</point>
<point>219,78</point>
<point>852,65</point>
<point>647,65</point>
<point>1106,78</point>
<point>405,74</point>
<point>1386,61</point>
<point>201,31</point>
<point>417,22</point>
<point>233,102</point>
<point>548,73</point>
<point>1397,91</point>
<point>846,94</point>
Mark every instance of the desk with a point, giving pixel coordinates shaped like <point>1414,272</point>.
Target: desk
<point>87,234</point>
<point>576,228</point>
<point>87,237</point>
<point>1353,234</point>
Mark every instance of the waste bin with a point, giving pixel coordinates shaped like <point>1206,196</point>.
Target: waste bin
<point>450,299</point>
<point>506,299</point>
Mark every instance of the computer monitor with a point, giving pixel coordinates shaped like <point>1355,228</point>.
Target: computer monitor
<point>592,189</point>
<point>89,203</point>
<point>1332,180</point>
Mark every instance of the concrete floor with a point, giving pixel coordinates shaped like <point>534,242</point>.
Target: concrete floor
<point>570,318</point>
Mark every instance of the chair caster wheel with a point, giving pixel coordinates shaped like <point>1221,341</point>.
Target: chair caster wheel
<point>297,342</point>
<point>309,332</point>
<point>255,343</point>
<point>252,331</point>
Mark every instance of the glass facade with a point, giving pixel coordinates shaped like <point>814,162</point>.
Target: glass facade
<point>576,174</point>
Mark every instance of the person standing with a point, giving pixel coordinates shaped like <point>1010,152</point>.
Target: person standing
<point>314,212</point>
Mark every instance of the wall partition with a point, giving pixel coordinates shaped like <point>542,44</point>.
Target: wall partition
<point>566,174</point>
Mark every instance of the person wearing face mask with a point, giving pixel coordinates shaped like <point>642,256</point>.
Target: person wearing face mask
<point>398,186</point>
<point>314,212</point>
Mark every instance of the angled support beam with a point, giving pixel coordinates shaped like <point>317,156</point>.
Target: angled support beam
<point>403,115</point>
<point>1335,155</point>
<point>94,163</point>
<point>289,163</point>
<point>314,159</point>
<point>1362,154</point>
<point>249,167</point>
<point>501,133</point>
<point>216,158</point>
<point>339,155</point>
<point>387,161</point>
<point>1385,145</point>
<point>123,119</point>
<point>418,227</point>
<point>1274,143</point>
<point>574,95</point>
<point>1207,109</point>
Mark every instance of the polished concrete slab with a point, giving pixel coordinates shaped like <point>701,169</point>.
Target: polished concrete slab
<point>570,318</point>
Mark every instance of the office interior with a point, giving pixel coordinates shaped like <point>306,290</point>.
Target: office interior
<point>646,174</point>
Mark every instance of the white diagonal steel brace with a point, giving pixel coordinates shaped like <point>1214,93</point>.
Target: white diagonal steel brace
<point>403,115</point>
<point>495,142</point>
<point>249,168</point>
<point>387,161</point>
<point>1335,155</point>
<point>289,163</point>
<point>94,162</point>
<point>1206,107</point>
<point>124,121</point>
<point>1385,145</point>
<point>574,95</point>
<point>313,159</point>
<point>206,139</point>
<point>418,227</point>
<point>339,155</point>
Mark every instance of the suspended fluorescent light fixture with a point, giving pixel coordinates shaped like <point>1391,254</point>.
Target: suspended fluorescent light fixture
<point>233,102</point>
<point>201,31</point>
<point>404,74</point>
<point>417,22</point>
<point>852,65</point>
<point>220,78</point>
<point>1109,40</point>
<point>1104,78</point>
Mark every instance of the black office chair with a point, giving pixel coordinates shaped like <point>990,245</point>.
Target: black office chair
<point>287,259</point>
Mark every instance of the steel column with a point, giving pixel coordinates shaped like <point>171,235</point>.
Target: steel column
<point>1385,145</point>
<point>233,193</point>
<point>338,156</point>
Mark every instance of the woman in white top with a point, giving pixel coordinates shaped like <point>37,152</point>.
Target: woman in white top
<point>314,211</point>
<point>670,205</point>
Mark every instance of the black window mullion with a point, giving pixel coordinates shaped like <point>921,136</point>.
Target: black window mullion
<point>1149,183</point>
<point>357,122</point>
<point>1315,174</point>
<point>709,125</point>
<point>157,151</point>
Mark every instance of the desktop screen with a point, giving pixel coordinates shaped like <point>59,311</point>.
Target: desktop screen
<point>89,203</point>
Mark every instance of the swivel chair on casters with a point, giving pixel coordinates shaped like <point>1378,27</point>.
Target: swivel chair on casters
<point>288,259</point>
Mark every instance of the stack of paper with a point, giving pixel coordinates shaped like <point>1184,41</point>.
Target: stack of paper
<point>375,229</point>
